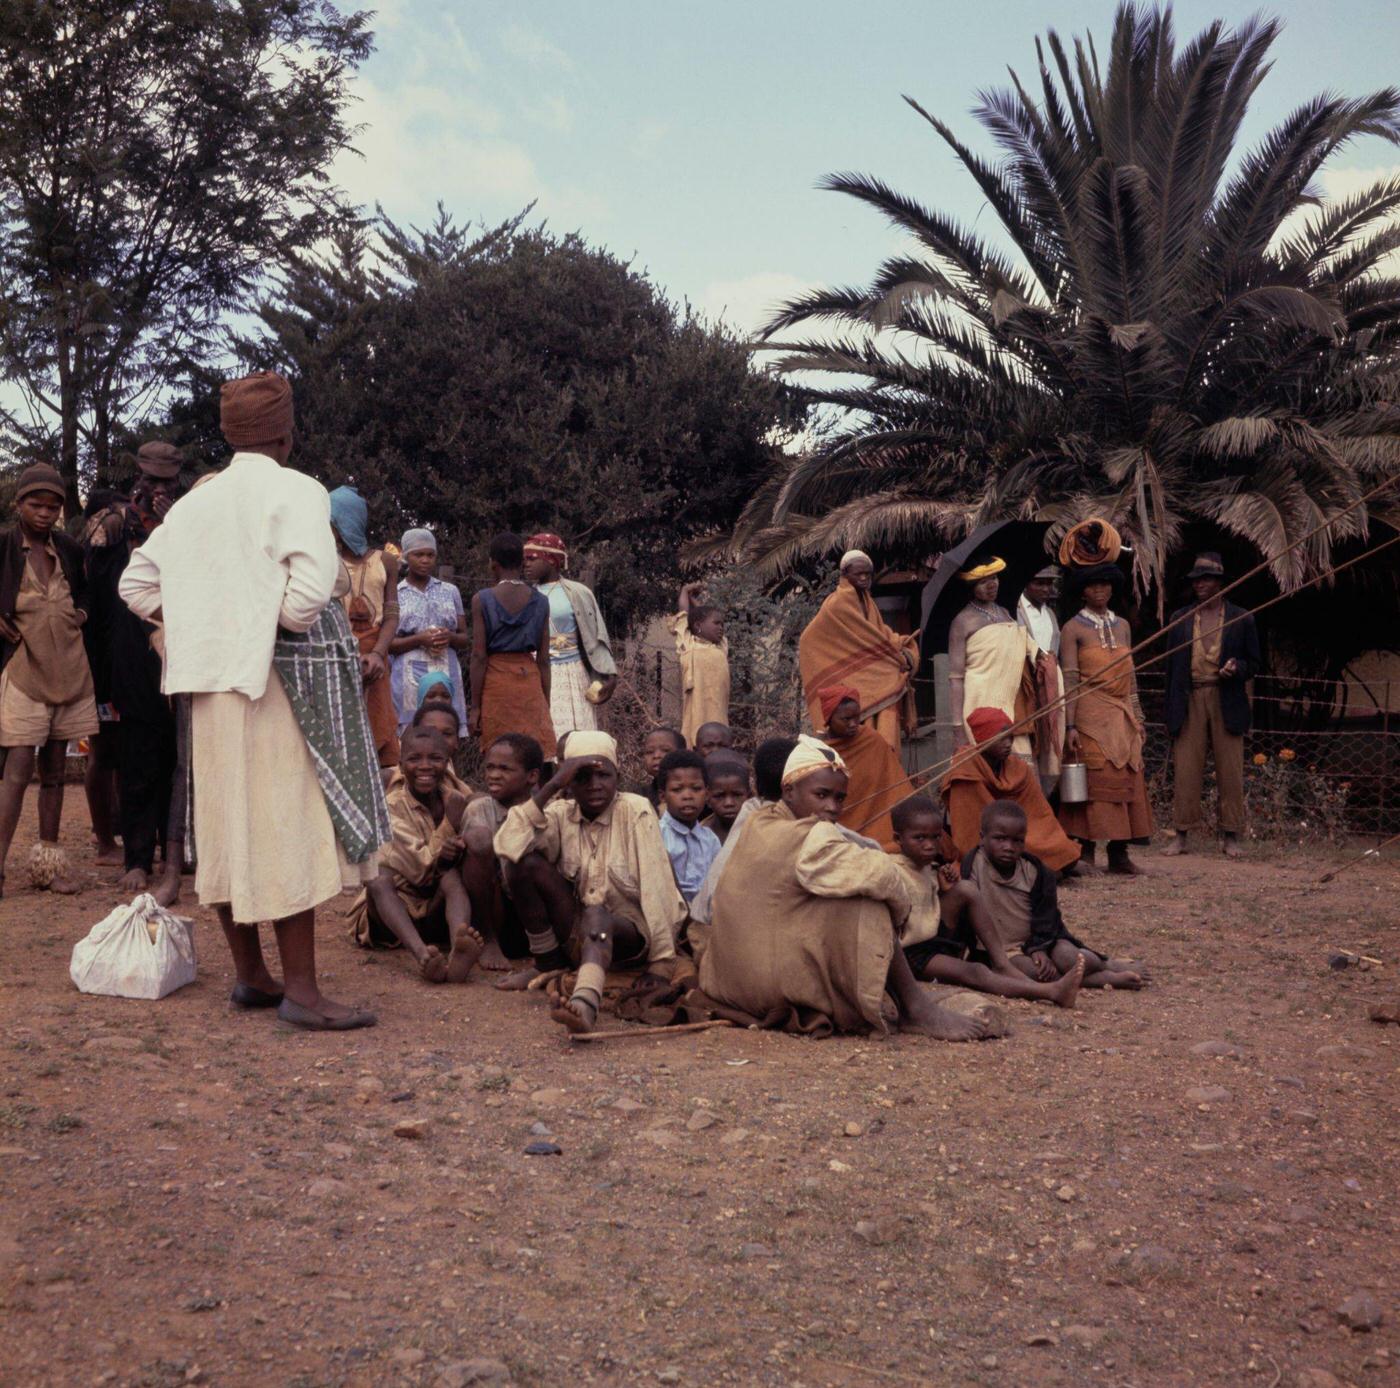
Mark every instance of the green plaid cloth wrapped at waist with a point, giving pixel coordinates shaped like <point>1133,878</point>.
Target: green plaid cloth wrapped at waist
<point>321,673</point>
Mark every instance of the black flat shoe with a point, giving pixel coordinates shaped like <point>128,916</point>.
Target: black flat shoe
<point>299,1016</point>
<point>245,995</point>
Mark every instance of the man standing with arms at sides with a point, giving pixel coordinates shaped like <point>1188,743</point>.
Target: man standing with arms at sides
<point>245,555</point>
<point>1214,655</point>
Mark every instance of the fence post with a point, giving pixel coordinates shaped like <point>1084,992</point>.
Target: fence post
<point>1382,823</point>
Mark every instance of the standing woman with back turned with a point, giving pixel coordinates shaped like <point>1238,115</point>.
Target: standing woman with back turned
<point>510,652</point>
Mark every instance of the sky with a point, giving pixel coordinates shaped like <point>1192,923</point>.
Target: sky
<point>689,137</point>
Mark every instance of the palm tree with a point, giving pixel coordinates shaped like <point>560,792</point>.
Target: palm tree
<point>1164,342</point>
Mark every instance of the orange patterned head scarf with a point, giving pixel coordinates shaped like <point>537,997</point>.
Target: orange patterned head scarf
<point>1093,541</point>
<point>834,695</point>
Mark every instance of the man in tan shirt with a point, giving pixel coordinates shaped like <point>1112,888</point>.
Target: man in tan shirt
<point>590,878</point>
<point>46,695</point>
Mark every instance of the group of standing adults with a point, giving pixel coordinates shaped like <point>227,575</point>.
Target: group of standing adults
<point>1064,695</point>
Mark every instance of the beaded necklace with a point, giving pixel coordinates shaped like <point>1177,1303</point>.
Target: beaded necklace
<point>1105,626</point>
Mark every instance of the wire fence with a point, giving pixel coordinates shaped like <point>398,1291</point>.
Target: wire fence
<point>1322,760</point>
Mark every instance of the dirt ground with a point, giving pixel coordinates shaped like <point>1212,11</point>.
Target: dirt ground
<point>194,1195</point>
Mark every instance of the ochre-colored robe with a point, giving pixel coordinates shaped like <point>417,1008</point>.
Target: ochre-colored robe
<point>970,785</point>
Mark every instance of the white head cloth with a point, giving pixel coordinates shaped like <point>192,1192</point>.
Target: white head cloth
<point>853,556</point>
<point>591,744</point>
<point>811,754</point>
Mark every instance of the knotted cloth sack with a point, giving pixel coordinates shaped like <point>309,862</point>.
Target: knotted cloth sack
<point>138,951</point>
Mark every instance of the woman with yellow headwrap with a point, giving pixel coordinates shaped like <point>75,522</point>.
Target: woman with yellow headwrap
<point>991,658</point>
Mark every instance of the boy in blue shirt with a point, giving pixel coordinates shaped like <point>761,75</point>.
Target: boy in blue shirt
<point>682,780</point>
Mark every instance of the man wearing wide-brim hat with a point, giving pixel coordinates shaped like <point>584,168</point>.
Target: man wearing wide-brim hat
<point>1214,654</point>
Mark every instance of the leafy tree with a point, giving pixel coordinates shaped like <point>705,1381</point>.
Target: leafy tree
<point>476,380</point>
<point>1162,342</point>
<point>154,158</point>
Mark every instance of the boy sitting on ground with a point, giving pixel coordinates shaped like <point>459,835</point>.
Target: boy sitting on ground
<point>510,771</point>
<point>727,787</point>
<point>950,937</point>
<point>1021,897</point>
<point>711,737</point>
<point>418,901</point>
<point>591,879</point>
<point>690,846</point>
<point>441,717</point>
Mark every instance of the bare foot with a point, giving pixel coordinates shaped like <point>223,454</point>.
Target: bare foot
<point>1118,978</point>
<point>1083,868</point>
<point>1231,847</point>
<point>466,950</point>
<point>134,882</point>
<point>493,958</point>
<point>1064,992</point>
<point>433,965</point>
<point>167,891</point>
<point>1176,847</point>
<point>575,1015</point>
<point>109,855</point>
<point>518,981</point>
<point>925,1018</point>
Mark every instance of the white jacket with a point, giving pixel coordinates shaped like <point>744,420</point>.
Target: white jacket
<point>241,555</point>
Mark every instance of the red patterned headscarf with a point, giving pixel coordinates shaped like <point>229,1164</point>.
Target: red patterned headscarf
<point>547,546</point>
<point>832,696</point>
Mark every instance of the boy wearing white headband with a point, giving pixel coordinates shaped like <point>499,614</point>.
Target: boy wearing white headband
<point>804,923</point>
<point>590,878</point>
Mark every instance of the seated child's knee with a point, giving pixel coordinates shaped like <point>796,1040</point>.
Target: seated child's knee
<point>480,842</point>
<point>595,925</point>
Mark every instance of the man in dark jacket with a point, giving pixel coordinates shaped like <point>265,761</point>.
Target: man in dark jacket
<point>1215,653</point>
<point>46,694</point>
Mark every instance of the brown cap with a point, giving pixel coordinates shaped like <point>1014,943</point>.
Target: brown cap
<point>160,460</point>
<point>40,477</point>
<point>256,409</point>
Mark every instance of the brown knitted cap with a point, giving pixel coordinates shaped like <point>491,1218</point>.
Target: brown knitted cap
<point>256,409</point>
<point>160,460</point>
<point>40,477</point>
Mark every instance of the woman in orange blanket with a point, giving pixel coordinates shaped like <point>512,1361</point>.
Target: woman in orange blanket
<point>979,777</point>
<point>877,782</point>
<point>848,643</point>
<point>1103,722</point>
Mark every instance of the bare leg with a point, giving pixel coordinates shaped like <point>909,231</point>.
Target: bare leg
<point>480,876</point>
<point>1098,971</point>
<point>245,945</point>
<point>1231,846</point>
<point>100,786</point>
<point>53,757</point>
<point>296,943</point>
<point>388,911</point>
<point>167,891</point>
<point>1177,846</point>
<point>919,1013</point>
<point>979,977</point>
<point>467,943</point>
<point>961,906</point>
<point>19,771</point>
<point>600,933</point>
<point>544,900</point>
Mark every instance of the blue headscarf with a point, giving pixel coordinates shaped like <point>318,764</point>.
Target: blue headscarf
<point>350,516</point>
<point>433,677</point>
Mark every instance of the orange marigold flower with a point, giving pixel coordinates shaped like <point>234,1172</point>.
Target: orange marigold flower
<point>1287,754</point>
<point>1260,759</point>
